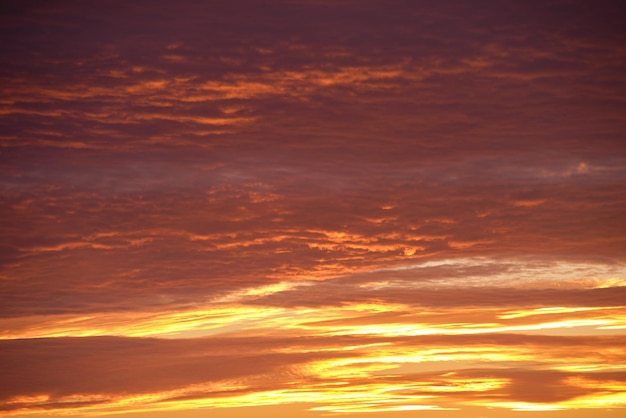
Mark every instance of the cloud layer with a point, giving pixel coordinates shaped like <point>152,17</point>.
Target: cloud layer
<point>367,206</point>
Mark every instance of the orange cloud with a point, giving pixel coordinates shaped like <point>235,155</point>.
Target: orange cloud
<point>366,207</point>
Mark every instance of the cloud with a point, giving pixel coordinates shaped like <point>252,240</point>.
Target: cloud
<point>335,184</point>
<point>101,372</point>
<point>113,367</point>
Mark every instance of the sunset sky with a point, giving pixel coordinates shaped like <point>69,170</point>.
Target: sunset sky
<point>313,208</point>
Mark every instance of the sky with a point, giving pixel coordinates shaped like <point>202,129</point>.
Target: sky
<point>313,208</point>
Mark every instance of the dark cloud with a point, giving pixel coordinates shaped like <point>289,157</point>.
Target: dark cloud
<point>326,295</point>
<point>101,369</point>
<point>112,367</point>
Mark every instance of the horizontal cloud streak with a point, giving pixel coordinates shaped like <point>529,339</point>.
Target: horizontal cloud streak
<point>205,367</point>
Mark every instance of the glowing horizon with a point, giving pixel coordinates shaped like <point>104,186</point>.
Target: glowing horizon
<point>312,208</point>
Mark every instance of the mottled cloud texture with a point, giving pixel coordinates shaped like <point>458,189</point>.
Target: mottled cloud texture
<point>327,207</point>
